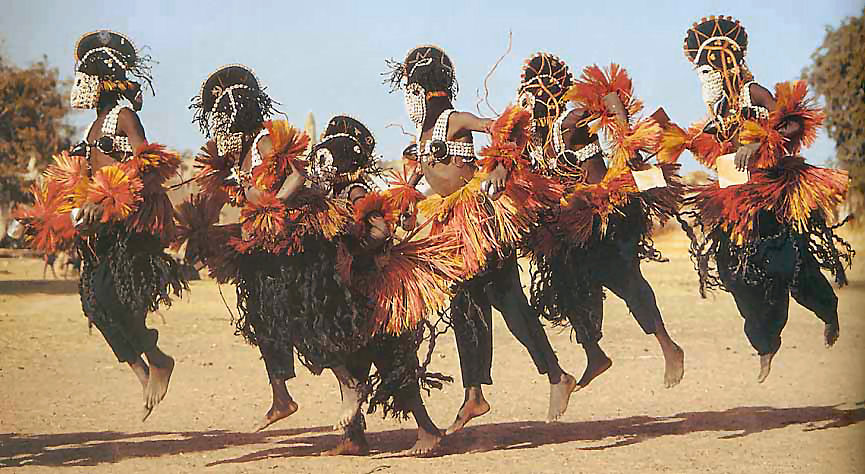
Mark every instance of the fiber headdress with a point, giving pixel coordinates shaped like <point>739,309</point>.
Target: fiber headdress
<point>231,99</point>
<point>545,80</point>
<point>104,60</point>
<point>426,65</point>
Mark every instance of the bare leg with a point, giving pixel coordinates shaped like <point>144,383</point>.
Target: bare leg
<point>597,363</point>
<point>161,367</point>
<point>474,405</point>
<point>813,291</point>
<point>506,294</point>
<point>630,285</point>
<point>674,356</point>
<point>830,334</point>
<point>140,369</point>
<point>353,442</point>
<point>428,434</point>
<point>282,407</point>
<point>349,389</point>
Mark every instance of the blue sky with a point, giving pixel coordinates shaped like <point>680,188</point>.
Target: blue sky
<point>326,57</point>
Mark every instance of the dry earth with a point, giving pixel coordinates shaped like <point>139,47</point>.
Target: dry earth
<point>66,405</point>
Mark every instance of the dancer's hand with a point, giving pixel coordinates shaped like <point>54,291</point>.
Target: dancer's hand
<point>495,182</point>
<point>615,106</point>
<point>410,152</point>
<point>408,221</point>
<point>90,214</point>
<point>292,184</point>
<point>378,231</point>
<point>744,155</point>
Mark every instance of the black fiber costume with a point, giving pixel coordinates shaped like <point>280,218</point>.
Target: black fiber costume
<point>125,275</point>
<point>253,323</point>
<point>568,287</point>
<point>471,316</point>
<point>777,264</point>
<point>767,237</point>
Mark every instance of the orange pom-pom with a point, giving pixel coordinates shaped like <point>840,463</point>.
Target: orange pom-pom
<point>154,161</point>
<point>70,172</point>
<point>594,84</point>
<point>287,145</point>
<point>264,221</point>
<point>117,188</point>
<point>213,170</point>
<point>402,195</point>
<point>374,202</point>
<point>48,229</point>
<point>510,134</point>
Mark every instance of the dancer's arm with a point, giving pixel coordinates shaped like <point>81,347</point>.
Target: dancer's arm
<point>616,107</point>
<point>494,184</point>
<point>470,122</point>
<point>378,230</point>
<point>129,123</point>
<point>789,129</point>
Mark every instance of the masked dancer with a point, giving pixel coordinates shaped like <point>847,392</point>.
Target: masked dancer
<point>602,230</point>
<point>233,110</point>
<point>107,199</point>
<point>488,207</point>
<point>405,279</point>
<point>769,230</point>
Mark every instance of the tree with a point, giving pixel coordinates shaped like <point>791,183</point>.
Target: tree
<point>33,106</point>
<point>838,76</point>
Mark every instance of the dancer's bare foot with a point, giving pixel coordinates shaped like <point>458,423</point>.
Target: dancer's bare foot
<point>674,365</point>
<point>474,406</point>
<point>765,366</point>
<point>831,333</point>
<point>161,367</point>
<point>560,395</point>
<point>594,367</point>
<point>356,446</point>
<point>426,443</point>
<point>278,410</point>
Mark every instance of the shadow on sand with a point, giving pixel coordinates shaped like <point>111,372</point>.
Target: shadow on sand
<point>45,287</point>
<point>89,449</point>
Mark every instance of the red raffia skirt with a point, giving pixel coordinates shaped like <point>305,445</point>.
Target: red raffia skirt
<point>795,197</point>
<point>482,227</point>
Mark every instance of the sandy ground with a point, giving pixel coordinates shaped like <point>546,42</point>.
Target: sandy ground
<point>66,405</point>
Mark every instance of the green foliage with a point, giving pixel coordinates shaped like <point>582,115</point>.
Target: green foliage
<point>838,75</point>
<point>33,105</point>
